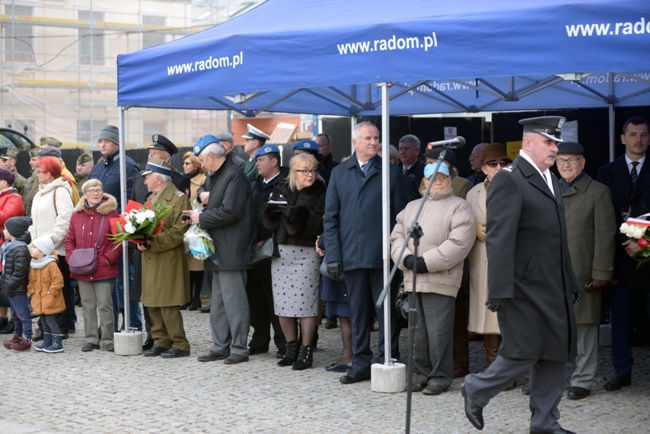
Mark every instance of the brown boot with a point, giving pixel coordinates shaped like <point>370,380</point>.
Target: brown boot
<point>492,343</point>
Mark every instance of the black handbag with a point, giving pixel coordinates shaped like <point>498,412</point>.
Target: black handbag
<point>84,261</point>
<point>262,251</point>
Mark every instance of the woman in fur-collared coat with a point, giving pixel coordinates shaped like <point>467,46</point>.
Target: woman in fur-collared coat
<point>95,288</point>
<point>295,214</point>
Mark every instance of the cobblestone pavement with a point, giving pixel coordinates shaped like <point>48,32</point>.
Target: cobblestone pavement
<point>100,392</point>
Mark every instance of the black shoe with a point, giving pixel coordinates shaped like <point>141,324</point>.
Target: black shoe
<point>204,309</point>
<point>473,412</point>
<point>174,353</point>
<point>576,393</point>
<point>418,386</point>
<point>331,323</point>
<point>235,359</point>
<point>618,382</point>
<point>212,356</point>
<point>185,306</point>
<point>38,336</point>
<point>525,389</point>
<point>252,351</point>
<point>280,354</point>
<point>355,376</point>
<point>89,346</point>
<point>555,431</point>
<point>193,308</point>
<point>148,344</point>
<point>155,351</point>
<point>8,328</point>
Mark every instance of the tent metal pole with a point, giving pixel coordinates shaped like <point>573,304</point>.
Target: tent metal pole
<point>385,193</point>
<point>610,109</point>
<point>125,252</point>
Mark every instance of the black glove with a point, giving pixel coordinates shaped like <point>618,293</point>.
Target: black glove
<point>408,262</point>
<point>496,304</point>
<point>577,296</point>
<point>334,269</point>
<point>420,266</point>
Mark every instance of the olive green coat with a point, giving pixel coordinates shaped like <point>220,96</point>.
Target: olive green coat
<point>590,230</point>
<point>165,276</point>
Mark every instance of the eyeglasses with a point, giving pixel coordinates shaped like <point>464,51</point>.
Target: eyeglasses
<point>307,172</point>
<point>571,161</point>
<point>494,163</point>
<point>187,163</point>
<point>94,190</point>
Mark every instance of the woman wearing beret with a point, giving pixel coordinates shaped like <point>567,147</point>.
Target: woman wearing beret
<point>296,218</point>
<point>482,320</point>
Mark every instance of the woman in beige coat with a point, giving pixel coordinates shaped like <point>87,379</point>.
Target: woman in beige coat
<point>193,170</point>
<point>482,320</point>
<point>449,231</point>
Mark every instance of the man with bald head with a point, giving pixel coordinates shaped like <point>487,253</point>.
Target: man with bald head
<point>475,162</point>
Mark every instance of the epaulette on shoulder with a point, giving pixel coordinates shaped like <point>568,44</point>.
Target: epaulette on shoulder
<point>179,193</point>
<point>510,167</point>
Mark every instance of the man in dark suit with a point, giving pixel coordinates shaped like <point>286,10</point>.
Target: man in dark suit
<point>531,284</point>
<point>409,156</point>
<point>628,178</point>
<point>353,241</point>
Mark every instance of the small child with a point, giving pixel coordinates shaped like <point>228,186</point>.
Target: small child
<point>13,282</point>
<point>45,287</point>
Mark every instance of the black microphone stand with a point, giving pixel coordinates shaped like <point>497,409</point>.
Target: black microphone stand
<point>415,232</point>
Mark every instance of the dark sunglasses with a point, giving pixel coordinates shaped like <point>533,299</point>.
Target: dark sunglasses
<point>494,163</point>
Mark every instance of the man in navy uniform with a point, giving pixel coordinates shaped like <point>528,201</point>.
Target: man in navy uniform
<point>255,139</point>
<point>531,283</point>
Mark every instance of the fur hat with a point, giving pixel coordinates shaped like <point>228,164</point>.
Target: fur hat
<point>17,226</point>
<point>44,244</point>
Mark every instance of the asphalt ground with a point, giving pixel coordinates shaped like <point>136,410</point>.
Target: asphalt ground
<point>100,392</point>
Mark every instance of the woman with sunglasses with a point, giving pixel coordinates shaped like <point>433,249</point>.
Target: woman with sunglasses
<point>482,320</point>
<point>295,214</point>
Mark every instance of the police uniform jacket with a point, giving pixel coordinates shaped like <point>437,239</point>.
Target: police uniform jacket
<point>227,217</point>
<point>529,265</point>
<point>165,277</point>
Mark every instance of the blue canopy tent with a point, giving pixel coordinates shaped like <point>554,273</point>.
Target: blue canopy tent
<point>328,57</point>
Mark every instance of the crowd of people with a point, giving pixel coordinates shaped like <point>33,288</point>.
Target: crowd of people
<point>528,262</point>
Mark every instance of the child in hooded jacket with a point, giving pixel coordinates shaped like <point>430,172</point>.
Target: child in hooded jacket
<point>45,286</point>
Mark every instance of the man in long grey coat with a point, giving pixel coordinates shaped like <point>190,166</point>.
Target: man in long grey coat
<point>531,284</point>
<point>591,225</point>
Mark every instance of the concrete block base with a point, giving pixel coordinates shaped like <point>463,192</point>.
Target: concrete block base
<point>127,344</point>
<point>388,379</point>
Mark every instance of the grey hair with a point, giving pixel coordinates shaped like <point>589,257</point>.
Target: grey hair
<point>215,149</point>
<point>90,184</point>
<point>410,138</point>
<point>163,178</point>
<point>357,129</point>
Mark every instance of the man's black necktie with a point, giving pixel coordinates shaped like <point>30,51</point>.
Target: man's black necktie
<point>633,173</point>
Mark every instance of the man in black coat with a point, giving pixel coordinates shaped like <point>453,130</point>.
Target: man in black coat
<point>409,156</point>
<point>327,161</point>
<point>628,178</point>
<point>353,241</point>
<point>259,286</point>
<point>227,218</point>
<point>531,283</point>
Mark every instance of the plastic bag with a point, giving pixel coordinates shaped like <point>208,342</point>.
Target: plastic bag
<point>198,243</point>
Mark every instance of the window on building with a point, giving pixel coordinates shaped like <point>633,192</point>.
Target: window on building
<point>149,128</point>
<point>91,40</point>
<point>152,38</point>
<point>88,129</point>
<point>18,36</point>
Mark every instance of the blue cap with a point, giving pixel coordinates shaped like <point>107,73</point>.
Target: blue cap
<point>158,166</point>
<point>203,142</point>
<point>429,168</point>
<point>266,149</point>
<point>306,145</point>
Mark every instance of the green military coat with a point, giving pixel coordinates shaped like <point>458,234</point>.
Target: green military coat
<point>165,275</point>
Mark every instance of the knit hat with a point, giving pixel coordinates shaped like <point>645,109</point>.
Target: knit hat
<point>110,132</point>
<point>7,175</point>
<point>17,226</point>
<point>44,244</point>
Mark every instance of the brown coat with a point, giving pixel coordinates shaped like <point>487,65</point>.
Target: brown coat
<point>45,285</point>
<point>591,226</point>
<point>165,276</point>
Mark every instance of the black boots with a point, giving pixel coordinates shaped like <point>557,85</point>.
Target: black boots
<point>290,355</point>
<point>305,358</point>
<point>7,326</point>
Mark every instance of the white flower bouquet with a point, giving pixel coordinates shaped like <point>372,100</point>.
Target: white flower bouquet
<point>638,230</point>
<point>139,222</point>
